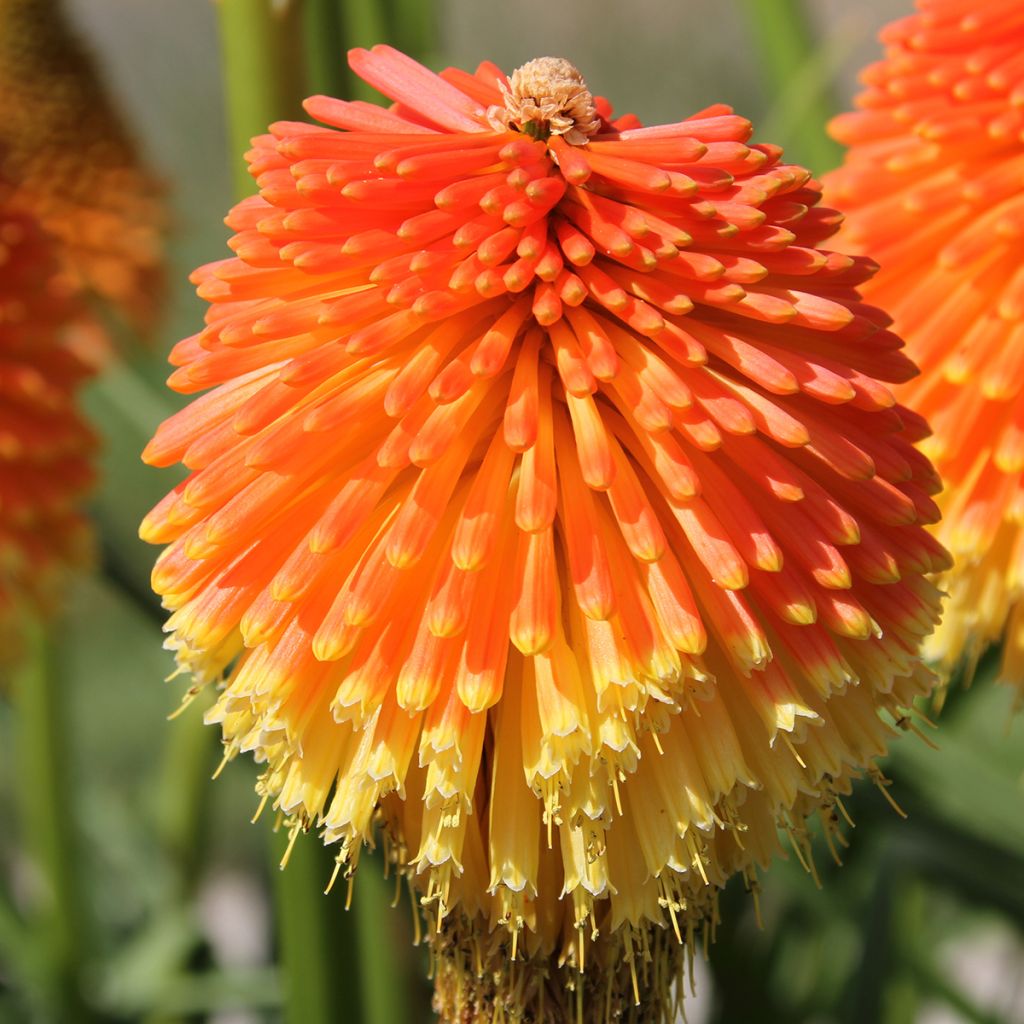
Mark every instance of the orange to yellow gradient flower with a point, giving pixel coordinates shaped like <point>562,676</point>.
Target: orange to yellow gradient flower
<point>44,443</point>
<point>545,507</point>
<point>934,186</point>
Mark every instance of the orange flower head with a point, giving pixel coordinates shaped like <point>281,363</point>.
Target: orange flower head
<point>545,507</point>
<point>44,443</point>
<point>932,182</point>
<point>76,166</point>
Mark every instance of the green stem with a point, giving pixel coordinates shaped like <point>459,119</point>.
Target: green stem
<point>796,75</point>
<point>48,820</point>
<point>182,816</point>
<point>325,50</point>
<point>332,26</point>
<point>385,988</point>
<point>902,992</point>
<point>183,796</point>
<point>259,77</point>
<point>314,964</point>
<point>364,23</point>
<point>16,951</point>
<point>415,27</point>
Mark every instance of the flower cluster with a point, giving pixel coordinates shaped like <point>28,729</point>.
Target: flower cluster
<point>44,443</point>
<point>546,506</point>
<point>932,183</point>
<point>76,168</point>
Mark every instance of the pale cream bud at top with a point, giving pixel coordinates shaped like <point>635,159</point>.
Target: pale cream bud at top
<point>545,97</point>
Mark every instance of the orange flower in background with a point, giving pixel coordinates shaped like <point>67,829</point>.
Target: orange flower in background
<point>76,167</point>
<point>44,443</point>
<point>545,509</point>
<point>933,185</point>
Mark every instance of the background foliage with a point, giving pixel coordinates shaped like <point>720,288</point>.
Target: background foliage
<point>162,905</point>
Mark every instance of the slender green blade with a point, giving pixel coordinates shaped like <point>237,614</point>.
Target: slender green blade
<point>797,74</point>
<point>60,921</point>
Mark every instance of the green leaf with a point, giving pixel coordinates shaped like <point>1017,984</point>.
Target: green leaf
<point>966,783</point>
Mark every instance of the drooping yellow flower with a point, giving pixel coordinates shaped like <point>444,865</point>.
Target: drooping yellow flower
<point>44,443</point>
<point>933,186</point>
<point>75,166</point>
<point>547,511</point>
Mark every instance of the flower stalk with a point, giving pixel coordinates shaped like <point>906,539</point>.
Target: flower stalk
<point>324,45</point>
<point>783,36</point>
<point>49,823</point>
<point>385,996</point>
<point>258,87</point>
<point>310,958</point>
<point>184,790</point>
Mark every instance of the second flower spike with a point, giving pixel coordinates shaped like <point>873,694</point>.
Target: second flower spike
<point>933,184</point>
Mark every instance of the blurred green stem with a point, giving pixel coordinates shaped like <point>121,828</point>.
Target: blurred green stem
<point>332,26</point>
<point>325,57</point>
<point>902,994</point>
<point>385,992</point>
<point>311,961</point>
<point>258,47</point>
<point>364,23</point>
<point>184,793</point>
<point>47,805</point>
<point>15,950</point>
<point>415,27</point>
<point>784,40</point>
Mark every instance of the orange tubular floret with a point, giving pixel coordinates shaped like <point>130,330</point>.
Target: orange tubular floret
<point>553,450</point>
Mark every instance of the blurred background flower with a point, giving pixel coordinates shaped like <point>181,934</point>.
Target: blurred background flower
<point>179,921</point>
<point>45,444</point>
<point>75,165</point>
<point>932,185</point>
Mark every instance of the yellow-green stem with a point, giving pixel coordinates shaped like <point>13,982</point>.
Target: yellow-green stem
<point>48,822</point>
<point>258,51</point>
<point>325,47</point>
<point>801,101</point>
<point>333,26</point>
<point>386,994</point>
<point>415,27</point>
<point>182,807</point>
<point>318,964</point>
<point>190,757</point>
<point>364,23</point>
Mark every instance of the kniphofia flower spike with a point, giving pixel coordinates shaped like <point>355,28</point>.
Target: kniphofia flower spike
<point>76,167</point>
<point>932,182</point>
<point>45,446</point>
<point>546,509</point>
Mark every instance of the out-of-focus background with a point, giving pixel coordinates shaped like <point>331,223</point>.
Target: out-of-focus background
<point>924,923</point>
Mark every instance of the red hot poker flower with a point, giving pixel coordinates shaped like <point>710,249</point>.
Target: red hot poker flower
<point>44,444</point>
<point>547,507</point>
<point>76,167</point>
<point>932,181</point>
